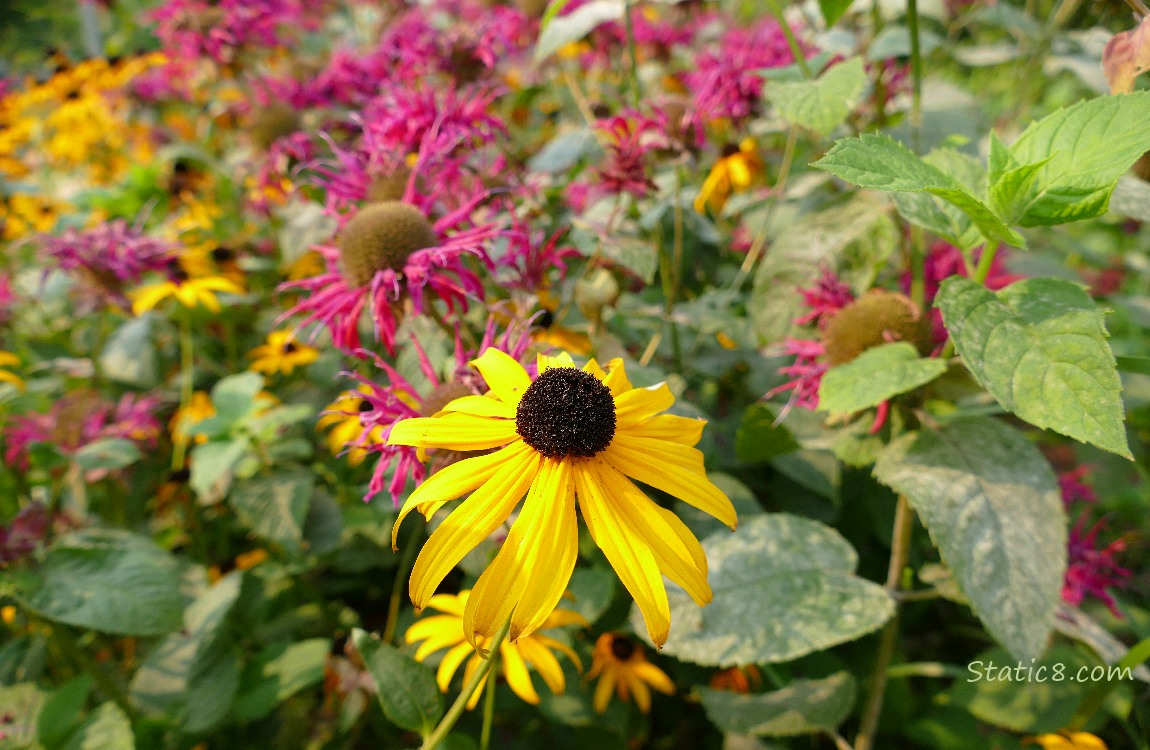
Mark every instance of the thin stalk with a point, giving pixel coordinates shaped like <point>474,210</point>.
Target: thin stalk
<point>899,553</point>
<point>915,74</point>
<point>397,586</point>
<point>635,86</point>
<point>792,42</point>
<point>985,261</point>
<point>489,706</point>
<point>879,71</point>
<point>917,267</point>
<point>445,725</point>
<point>187,384</point>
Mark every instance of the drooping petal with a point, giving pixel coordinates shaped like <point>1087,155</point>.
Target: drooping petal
<point>603,690</point>
<point>531,570</point>
<point>638,689</point>
<point>504,376</point>
<point>535,652</point>
<point>655,677</point>
<point>474,520</point>
<point>518,678</point>
<point>461,432</point>
<point>631,557</point>
<point>450,663</point>
<point>457,480</point>
<point>480,406</point>
<point>675,469</point>
<point>639,514</point>
<point>550,643</point>
<point>436,633</point>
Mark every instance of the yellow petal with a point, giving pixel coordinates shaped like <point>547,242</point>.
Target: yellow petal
<point>641,519</point>
<point>554,645</point>
<point>474,520</point>
<point>451,604</point>
<point>629,556</point>
<point>13,378</point>
<point>545,663</point>
<point>534,564</point>
<point>544,362</point>
<point>518,678</point>
<point>638,689</point>
<point>148,297</point>
<point>682,430</point>
<point>639,404</point>
<point>461,432</point>
<point>672,468</point>
<point>616,378</point>
<point>219,284</point>
<point>480,406</point>
<point>8,359</point>
<point>450,663</point>
<point>457,480</point>
<point>603,691</point>
<point>655,677</point>
<point>504,376</point>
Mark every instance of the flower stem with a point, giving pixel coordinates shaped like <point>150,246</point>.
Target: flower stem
<point>899,552</point>
<point>187,381</point>
<point>634,85</point>
<point>445,725</point>
<point>792,42</point>
<point>489,706</point>
<point>397,587</point>
<point>915,74</point>
<point>985,261</point>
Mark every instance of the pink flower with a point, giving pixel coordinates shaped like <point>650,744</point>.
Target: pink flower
<point>1092,570</point>
<point>807,372</point>
<point>530,258</point>
<point>825,298</point>
<point>1073,488</point>
<point>631,137</point>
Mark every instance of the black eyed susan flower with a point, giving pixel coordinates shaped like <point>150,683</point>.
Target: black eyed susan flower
<point>736,170</point>
<point>1067,740</point>
<point>569,436</point>
<point>620,663</point>
<point>281,354</point>
<point>446,631</point>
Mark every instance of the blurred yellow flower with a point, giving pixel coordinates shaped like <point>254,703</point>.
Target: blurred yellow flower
<point>8,359</point>
<point>1067,741</point>
<point>446,631</point>
<point>620,664</point>
<point>342,415</point>
<point>736,170</point>
<point>186,417</point>
<point>281,354</point>
<point>189,293</point>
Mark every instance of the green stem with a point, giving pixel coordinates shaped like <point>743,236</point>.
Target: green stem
<point>792,42</point>
<point>985,261</point>
<point>917,267</point>
<point>916,74</point>
<point>187,386</point>
<point>489,705</point>
<point>397,586</point>
<point>634,85</point>
<point>445,725</point>
<point>899,553</point>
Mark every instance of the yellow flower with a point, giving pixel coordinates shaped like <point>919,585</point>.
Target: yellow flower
<point>248,560</point>
<point>27,214</point>
<point>8,360</point>
<point>186,417</point>
<point>570,436</point>
<point>620,663</point>
<point>343,413</point>
<point>306,266</point>
<point>281,354</point>
<point>1068,741</point>
<point>735,171</point>
<point>189,293</point>
<point>446,631</point>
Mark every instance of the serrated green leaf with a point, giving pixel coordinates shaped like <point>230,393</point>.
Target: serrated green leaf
<point>992,506</point>
<point>107,729</point>
<point>876,375</point>
<point>833,10</point>
<point>938,216</point>
<point>881,163</point>
<point>821,105</point>
<point>557,31</point>
<point>275,507</point>
<point>108,454</point>
<point>1085,149</point>
<point>407,692</point>
<point>636,255</point>
<point>212,467</point>
<point>802,707</point>
<point>234,396</point>
<point>109,580</point>
<point>277,673</point>
<point>1039,347</point>
<point>1013,183</point>
<point>759,437</point>
<point>784,586</point>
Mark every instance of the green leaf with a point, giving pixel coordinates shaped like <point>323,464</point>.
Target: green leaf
<point>937,215</point>
<point>992,506</point>
<point>821,105</point>
<point>1083,150</point>
<point>23,703</point>
<point>407,692</point>
<point>62,711</point>
<point>592,589</point>
<point>633,253</point>
<point>881,163</point>
<point>212,466</point>
<point>275,507</point>
<point>833,10</point>
<point>1140,365</point>
<point>759,438</point>
<point>193,675</point>
<point>234,396</point>
<point>107,729</point>
<point>109,580</point>
<point>784,586</point>
<point>279,672</point>
<point>564,151</point>
<point>555,32</point>
<point>108,454</point>
<point>1039,346</point>
<point>803,707</point>
<point>130,354</point>
<point>876,375</point>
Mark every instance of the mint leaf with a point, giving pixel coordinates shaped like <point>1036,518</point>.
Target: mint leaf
<point>876,375</point>
<point>1039,347</point>
<point>881,163</point>
<point>937,215</point>
<point>407,692</point>
<point>821,105</point>
<point>991,504</point>
<point>833,10</point>
<point>1087,147</point>
<point>802,707</point>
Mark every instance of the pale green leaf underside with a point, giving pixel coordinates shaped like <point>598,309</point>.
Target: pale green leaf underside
<point>802,707</point>
<point>557,31</point>
<point>991,504</point>
<point>876,375</point>
<point>783,587</point>
<point>821,105</point>
<point>1039,347</point>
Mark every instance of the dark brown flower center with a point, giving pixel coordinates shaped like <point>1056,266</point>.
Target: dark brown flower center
<point>566,412</point>
<point>622,647</point>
